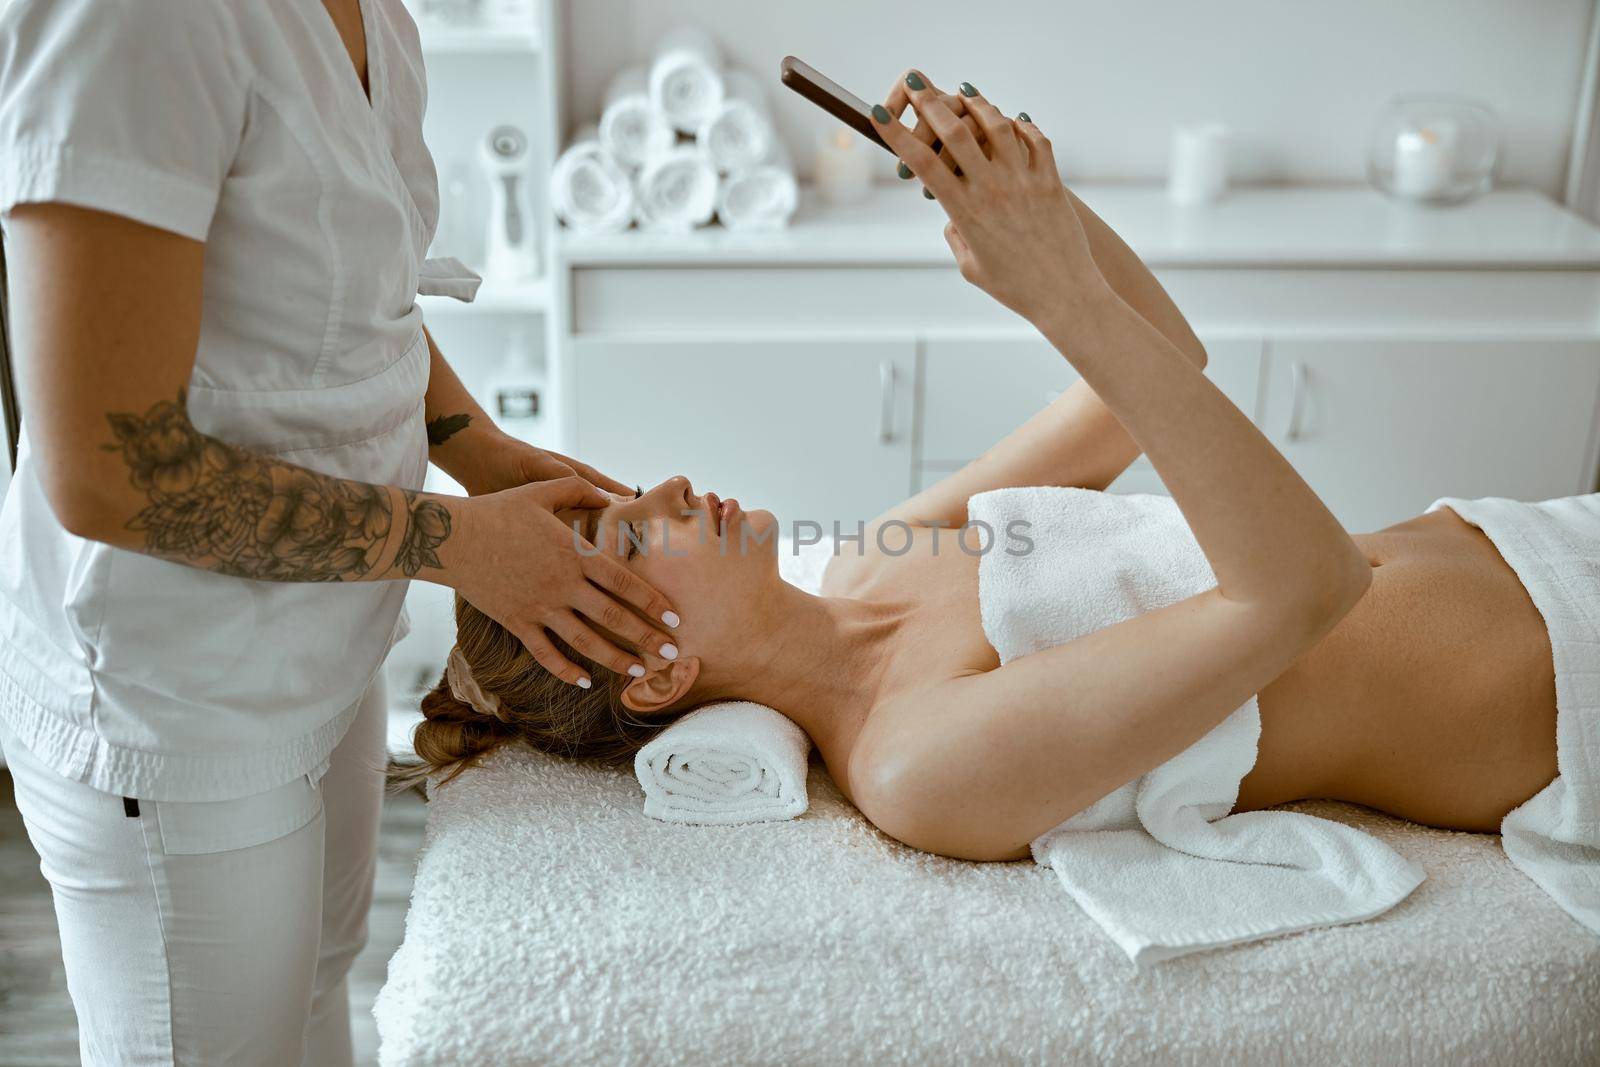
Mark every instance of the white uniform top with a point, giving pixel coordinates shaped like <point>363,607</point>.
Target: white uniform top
<point>240,123</point>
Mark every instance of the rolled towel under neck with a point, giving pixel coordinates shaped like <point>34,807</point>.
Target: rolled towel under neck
<point>676,191</point>
<point>590,191</point>
<point>632,128</point>
<point>739,133</point>
<point>686,77</point>
<point>725,764</point>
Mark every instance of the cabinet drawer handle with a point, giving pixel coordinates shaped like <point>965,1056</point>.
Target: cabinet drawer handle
<point>1297,399</point>
<point>885,402</point>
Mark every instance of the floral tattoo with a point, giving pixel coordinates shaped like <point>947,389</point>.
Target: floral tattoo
<point>236,512</point>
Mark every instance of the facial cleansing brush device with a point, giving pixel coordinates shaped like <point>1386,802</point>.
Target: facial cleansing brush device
<point>511,256</point>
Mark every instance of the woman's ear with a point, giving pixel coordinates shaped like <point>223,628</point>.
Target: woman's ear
<point>662,688</point>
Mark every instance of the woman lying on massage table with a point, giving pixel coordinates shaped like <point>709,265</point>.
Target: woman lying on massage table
<point>1407,669</point>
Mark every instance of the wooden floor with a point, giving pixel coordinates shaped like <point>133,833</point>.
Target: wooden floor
<point>37,1027</point>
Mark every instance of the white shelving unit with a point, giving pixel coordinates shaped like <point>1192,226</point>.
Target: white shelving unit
<point>479,78</point>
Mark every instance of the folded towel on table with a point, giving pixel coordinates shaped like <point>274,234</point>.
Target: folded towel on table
<point>734,761</point>
<point>632,128</point>
<point>1554,548</point>
<point>676,191</point>
<point>589,190</point>
<point>1159,863</point>
<point>686,77</point>
<point>738,133</point>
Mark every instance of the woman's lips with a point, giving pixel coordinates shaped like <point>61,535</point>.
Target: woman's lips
<point>713,506</point>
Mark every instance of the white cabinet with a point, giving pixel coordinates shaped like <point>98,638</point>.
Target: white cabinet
<point>977,390</point>
<point>1380,427</point>
<point>812,429</point>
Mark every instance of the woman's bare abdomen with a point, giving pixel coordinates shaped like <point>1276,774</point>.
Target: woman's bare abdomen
<point>1433,700</point>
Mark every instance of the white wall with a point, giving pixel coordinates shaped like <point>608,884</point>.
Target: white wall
<point>1301,82</point>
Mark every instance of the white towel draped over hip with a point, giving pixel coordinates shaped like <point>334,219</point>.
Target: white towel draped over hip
<point>1554,548</point>
<point>1159,863</point>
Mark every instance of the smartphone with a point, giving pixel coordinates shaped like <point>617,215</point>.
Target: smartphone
<point>827,94</point>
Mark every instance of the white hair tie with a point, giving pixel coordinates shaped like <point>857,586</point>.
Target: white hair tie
<point>466,689</point>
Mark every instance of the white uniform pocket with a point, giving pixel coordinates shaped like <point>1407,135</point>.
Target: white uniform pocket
<point>191,829</point>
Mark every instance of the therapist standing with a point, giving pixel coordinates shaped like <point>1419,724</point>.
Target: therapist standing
<point>216,214</point>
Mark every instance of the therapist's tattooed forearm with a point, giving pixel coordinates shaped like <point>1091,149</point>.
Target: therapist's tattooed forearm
<point>445,427</point>
<point>237,512</point>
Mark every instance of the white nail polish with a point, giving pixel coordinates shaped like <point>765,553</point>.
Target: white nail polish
<point>669,651</point>
<point>670,618</point>
<point>636,670</point>
<point>584,683</point>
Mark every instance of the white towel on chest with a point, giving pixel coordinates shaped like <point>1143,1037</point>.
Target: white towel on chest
<point>1159,863</point>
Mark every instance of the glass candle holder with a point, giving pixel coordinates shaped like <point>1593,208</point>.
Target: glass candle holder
<point>1435,150</point>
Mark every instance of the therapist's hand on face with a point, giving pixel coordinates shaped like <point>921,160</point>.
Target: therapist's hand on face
<point>500,461</point>
<point>515,561</point>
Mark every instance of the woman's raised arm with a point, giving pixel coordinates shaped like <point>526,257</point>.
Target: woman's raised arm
<point>982,764</point>
<point>1075,440</point>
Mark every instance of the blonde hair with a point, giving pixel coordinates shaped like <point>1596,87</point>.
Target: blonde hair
<point>536,708</point>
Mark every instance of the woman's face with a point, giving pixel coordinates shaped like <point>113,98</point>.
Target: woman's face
<point>707,555</point>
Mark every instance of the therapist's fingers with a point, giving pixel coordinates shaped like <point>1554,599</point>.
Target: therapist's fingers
<point>997,131</point>
<point>957,137</point>
<point>569,492</point>
<point>546,655</point>
<point>595,477</point>
<point>615,579</point>
<point>608,612</point>
<point>586,641</point>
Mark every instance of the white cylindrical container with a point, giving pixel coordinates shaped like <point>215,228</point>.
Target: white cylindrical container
<point>686,77</point>
<point>632,129</point>
<point>843,168</point>
<point>676,191</point>
<point>589,190</point>
<point>1197,172</point>
<point>739,133</point>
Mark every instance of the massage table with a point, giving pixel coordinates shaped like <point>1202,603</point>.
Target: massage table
<point>552,923</point>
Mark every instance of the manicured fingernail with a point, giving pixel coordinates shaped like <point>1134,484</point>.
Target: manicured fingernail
<point>903,170</point>
<point>584,683</point>
<point>915,81</point>
<point>881,113</point>
<point>929,194</point>
<point>669,651</point>
<point>670,618</point>
<point>635,670</point>
<point>968,90</point>
<point>1023,115</point>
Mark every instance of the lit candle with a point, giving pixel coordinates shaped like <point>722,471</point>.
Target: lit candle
<point>1424,161</point>
<point>843,169</point>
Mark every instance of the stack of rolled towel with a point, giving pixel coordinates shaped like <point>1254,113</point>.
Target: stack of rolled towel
<point>679,141</point>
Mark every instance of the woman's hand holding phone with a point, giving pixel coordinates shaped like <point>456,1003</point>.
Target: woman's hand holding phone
<point>1012,226</point>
